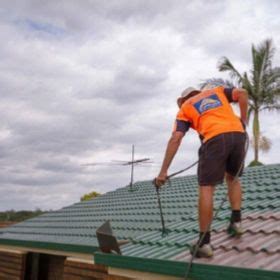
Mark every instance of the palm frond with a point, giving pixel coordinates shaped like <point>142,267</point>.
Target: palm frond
<point>264,143</point>
<point>273,107</point>
<point>272,78</point>
<point>246,84</point>
<point>224,64</point>
<point>276,92</point>
<point>262,63</point>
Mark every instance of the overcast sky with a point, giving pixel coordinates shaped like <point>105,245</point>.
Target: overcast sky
<point>81,81</point>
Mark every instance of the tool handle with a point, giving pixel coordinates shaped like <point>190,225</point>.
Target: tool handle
<point>160,210</point>
<point>182,170</point>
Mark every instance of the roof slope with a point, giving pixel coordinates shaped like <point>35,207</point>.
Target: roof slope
<point>135,216</point>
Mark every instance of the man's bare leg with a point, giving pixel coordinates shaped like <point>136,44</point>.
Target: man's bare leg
<point>235,199</point>
<point>234,192</point>
<point>205,207</point>
<point>205,212</point>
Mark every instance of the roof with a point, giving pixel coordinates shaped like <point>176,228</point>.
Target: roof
<point>135,216</point>
<point>5,224</point>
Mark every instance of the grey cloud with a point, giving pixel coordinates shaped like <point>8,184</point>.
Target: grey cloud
<point>135,85</point>
<point>97,18</point>
<point>75,15</point>
<point>61,165</point>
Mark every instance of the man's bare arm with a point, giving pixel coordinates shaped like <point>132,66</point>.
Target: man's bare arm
<point>172,147</point>
<point>241,96</point>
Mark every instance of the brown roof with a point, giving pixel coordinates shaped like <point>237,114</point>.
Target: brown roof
<point>5,224</point>
<point>259,246</point>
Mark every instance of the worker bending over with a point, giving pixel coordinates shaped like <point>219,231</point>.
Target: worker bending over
<point>221,154</point>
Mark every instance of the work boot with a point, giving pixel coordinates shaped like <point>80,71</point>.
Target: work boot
<point>205,251</point>
<point>235,229</point>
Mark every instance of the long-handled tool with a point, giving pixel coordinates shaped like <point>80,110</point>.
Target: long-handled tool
<point>217,212</point>
<point>164,230</point>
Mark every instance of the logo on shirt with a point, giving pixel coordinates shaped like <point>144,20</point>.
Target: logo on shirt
<point>207,103</point>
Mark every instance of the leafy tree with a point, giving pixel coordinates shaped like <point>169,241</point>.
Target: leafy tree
<point>18,216</point>
<point>263,85</point>
<point>89,196</point>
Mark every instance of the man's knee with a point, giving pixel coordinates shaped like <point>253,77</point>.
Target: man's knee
<point>206,190</point>
<point>230,178</point>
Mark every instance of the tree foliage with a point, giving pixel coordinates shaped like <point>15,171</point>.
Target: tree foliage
<point>89,196</point>
<point>19,216</point>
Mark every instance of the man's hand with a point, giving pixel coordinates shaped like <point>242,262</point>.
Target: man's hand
<point>160,180</point>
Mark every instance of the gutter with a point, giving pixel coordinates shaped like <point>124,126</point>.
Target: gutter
<point>82,249</point>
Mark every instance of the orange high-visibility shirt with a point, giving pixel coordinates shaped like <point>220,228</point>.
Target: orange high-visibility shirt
<point>210,114</point>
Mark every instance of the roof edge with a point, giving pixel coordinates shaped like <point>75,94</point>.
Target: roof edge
<point>174,268</point>
<point>50,246</point>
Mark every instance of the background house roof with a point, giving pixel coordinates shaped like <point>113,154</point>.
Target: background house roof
<point>135,216</point>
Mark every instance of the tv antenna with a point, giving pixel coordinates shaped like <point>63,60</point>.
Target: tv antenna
<point>133,162</point>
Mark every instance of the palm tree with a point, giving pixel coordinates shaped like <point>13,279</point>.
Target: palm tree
<point>262,84</point>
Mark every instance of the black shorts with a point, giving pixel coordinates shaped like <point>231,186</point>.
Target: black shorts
<point>220,154</point>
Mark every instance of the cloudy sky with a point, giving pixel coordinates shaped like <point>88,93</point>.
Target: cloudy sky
<point>81,81</point>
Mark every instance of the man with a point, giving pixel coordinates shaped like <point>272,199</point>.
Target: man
<point>221,154</point>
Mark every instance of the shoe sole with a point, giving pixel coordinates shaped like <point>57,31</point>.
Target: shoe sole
<point>200,254</point>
